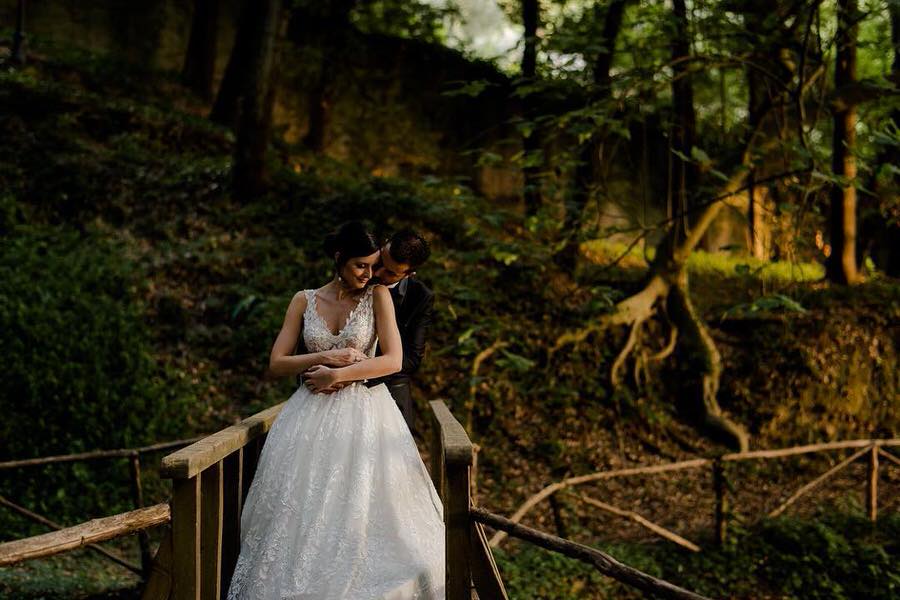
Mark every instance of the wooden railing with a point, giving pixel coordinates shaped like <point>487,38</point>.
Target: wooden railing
<point>469,562</point>
<point>868,449</point>
<point>210,480</point>
<point>89,533</point>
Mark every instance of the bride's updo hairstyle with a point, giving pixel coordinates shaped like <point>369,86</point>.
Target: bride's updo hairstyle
<point>348,241</point>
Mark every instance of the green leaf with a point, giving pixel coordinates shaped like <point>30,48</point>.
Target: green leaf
<point>515,362</point>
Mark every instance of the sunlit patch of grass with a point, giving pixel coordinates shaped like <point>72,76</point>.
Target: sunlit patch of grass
<point>721,264</point>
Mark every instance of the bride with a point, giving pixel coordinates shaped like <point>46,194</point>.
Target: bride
<point>341,505</point>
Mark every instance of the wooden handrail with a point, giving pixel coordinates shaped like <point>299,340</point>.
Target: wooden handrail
<point>809,448</point>
<point>77,536</point>
<point>454,439</point>
<point>603,562</point>
<point>553,488</point>
<point>199,456</point>
<point>33,516</point>
<point>96,454</point>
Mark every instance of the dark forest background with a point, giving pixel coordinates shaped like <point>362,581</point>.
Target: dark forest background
<point>661,230</point>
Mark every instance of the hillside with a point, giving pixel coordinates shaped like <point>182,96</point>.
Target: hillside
<point>123,167</point>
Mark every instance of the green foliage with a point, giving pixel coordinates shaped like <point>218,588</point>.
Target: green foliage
<point>79,372</point>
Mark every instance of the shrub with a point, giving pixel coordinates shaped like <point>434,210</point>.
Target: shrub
<point>78,373</point>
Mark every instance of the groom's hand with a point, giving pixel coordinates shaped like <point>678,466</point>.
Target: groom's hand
<point>319,378</point>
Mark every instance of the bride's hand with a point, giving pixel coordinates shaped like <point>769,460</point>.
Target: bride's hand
<point>319,378</point>
<point>341,357</point>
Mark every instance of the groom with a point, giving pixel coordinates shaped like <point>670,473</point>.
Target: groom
<point>405,252</point>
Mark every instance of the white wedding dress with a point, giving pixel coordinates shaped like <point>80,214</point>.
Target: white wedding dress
<point>341,505</point>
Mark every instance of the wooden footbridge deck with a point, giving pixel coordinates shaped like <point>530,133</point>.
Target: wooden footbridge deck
<point>211,477</point>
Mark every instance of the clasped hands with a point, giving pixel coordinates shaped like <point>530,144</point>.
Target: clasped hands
<point>322,379</point>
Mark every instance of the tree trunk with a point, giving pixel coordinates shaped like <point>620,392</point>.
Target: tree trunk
<point>18,47</point>
<point>255,120</point>
<point>877,234</point>
<point>841,266</point>
<point>698,355</point>
<point>667,282</point>
<point>200,60</point>
<point>239,68</point>
<point>531,142</point>
<point>591,151</point>
<point>324,27</point>
<point>683,178</point>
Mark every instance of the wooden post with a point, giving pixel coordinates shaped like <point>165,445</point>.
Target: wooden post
<point>437,457</point>
<point>137,495</point>
<point>458,531</point>
<point>456,452</point>
<point>251,457</point>
<point>186,538</point>
<point>232,490</point>
<point>872,488</point>
<point>211,532</point>
<point>719,485</point>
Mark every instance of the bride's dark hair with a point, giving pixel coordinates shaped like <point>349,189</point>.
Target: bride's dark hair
<point>350,240</point>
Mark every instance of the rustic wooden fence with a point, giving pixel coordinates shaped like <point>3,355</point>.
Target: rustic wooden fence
<point>97,530</point>
<point>211,477</point>
<point>869,449</point>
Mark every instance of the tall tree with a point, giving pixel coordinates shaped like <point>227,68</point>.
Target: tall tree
<point>841,266</point>
<point>683,174</point>
<point>18,49</point>
<point>234,81</point>
<point>200,59</point>
<point>532,141</point>
<point>591,151</point>
<point>256,99</point>
<point>322,28</point>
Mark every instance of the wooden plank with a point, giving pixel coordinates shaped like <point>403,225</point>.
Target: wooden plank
<point>251,458</point>
<point>78,536</point>
<point>890,456</point>
<point>485,574</point>
<point>721,516</point>
<point>186,538</point>
<point>872,487</point>
<point>159,581</point>
<point>602,475</point>
<point>633,516</point>
<point>95,454</point>
<point>817,481</point>
<point>795,450</point>
<point>137,496</point>
<point>188,462</point>
<point>232,490</point>
<point>455,440</point>
<point>457,528</point>
<point>437,456</point>
<point>603,562</point>
<point>211,514</point>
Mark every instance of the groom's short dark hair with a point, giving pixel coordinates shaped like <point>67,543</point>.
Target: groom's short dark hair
<point>410,248</point>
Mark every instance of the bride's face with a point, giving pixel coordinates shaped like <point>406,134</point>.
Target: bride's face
<point>357,271</point>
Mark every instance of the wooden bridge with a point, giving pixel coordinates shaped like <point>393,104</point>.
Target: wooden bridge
<point>211,477</point>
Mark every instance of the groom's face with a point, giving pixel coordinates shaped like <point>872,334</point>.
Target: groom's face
<point>389,271</point>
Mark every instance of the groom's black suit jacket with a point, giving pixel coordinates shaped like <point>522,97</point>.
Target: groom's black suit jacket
<point>414,309</point>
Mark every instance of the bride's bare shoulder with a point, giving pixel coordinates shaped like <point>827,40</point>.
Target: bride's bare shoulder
<point>298,302</point>
<point>380,291</point>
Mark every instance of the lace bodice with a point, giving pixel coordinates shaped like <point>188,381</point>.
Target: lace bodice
<point>358,332</point>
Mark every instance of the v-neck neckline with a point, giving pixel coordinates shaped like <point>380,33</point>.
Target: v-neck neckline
<point>315,307</point>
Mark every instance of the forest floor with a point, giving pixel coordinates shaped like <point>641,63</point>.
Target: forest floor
<point>124,155</point>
